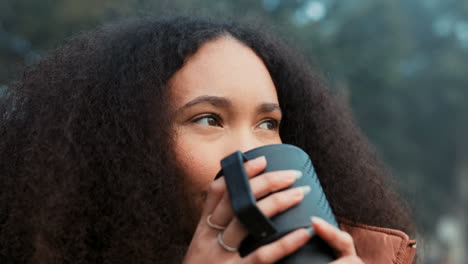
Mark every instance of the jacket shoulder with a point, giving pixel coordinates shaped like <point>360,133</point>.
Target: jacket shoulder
<point>380,245</point>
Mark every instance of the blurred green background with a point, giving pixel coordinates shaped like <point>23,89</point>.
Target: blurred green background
<point>401,64</point>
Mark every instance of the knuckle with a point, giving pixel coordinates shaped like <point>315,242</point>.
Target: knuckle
<point>286,245</point>
<point>216,188</point>
<point>248,167</point>
<point>251,167</point>
<point>347,240</point>
<point>273,182</point>
<point>275,203</point>
<point>261,256</point>
<point>278,200</point>
<point>356,260</point>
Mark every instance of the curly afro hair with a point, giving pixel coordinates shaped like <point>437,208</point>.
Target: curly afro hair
<point>86,161</point>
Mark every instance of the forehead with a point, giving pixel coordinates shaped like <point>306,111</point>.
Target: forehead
<point>223,67</point>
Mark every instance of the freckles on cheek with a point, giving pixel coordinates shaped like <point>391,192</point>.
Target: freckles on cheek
<point>199,168</point>
<point>198,158</point>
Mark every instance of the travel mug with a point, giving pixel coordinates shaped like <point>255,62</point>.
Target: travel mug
<point>263,230</point>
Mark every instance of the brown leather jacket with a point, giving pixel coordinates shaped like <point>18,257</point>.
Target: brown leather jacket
<point>380,245</point>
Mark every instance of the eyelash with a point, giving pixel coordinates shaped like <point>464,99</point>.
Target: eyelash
<point>274,122</point>
<point>214,116</point>
<point>218,119</point>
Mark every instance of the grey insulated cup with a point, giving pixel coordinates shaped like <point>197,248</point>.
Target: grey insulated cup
<point>263,230</point>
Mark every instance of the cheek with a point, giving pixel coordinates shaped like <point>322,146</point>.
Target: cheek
<point>200,163</point>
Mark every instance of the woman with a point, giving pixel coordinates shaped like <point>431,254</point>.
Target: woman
<point>110,144</point>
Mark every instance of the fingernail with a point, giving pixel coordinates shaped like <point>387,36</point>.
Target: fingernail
<point>310,231</point>
<point>257,161</point>
<point>317,220</point>
<point>297,174</point>
<point>304,189</point>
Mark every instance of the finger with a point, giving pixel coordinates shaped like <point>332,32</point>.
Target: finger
<point>214,195</point>
<point>255,166</point>
<point>221,212</point>
<point>280,201</point>
<point>279,249</point>
<point>273,181</point>
<point>339,240</point>
<point>348,260</point>
<point>260,186</point>
<point>269,206</point>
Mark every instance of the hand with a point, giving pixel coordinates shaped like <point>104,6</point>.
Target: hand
<point>205,248</point>
<point>340,241</point>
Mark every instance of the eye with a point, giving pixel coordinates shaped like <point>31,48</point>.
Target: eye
<point>208,120</point>
<point>269,124</point>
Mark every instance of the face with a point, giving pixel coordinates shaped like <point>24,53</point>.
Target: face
<point>224,100</point>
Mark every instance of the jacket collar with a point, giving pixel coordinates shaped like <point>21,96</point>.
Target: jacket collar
<point>380,245</point>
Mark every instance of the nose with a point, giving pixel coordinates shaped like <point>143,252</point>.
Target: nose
<point>243,142</point>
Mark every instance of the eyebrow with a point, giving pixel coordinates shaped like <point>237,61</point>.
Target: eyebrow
<point>268,108</point>
<point>213,100</point>
<point>223,102</point>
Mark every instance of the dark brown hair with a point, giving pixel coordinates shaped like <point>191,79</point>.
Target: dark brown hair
<point>86,163</point>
